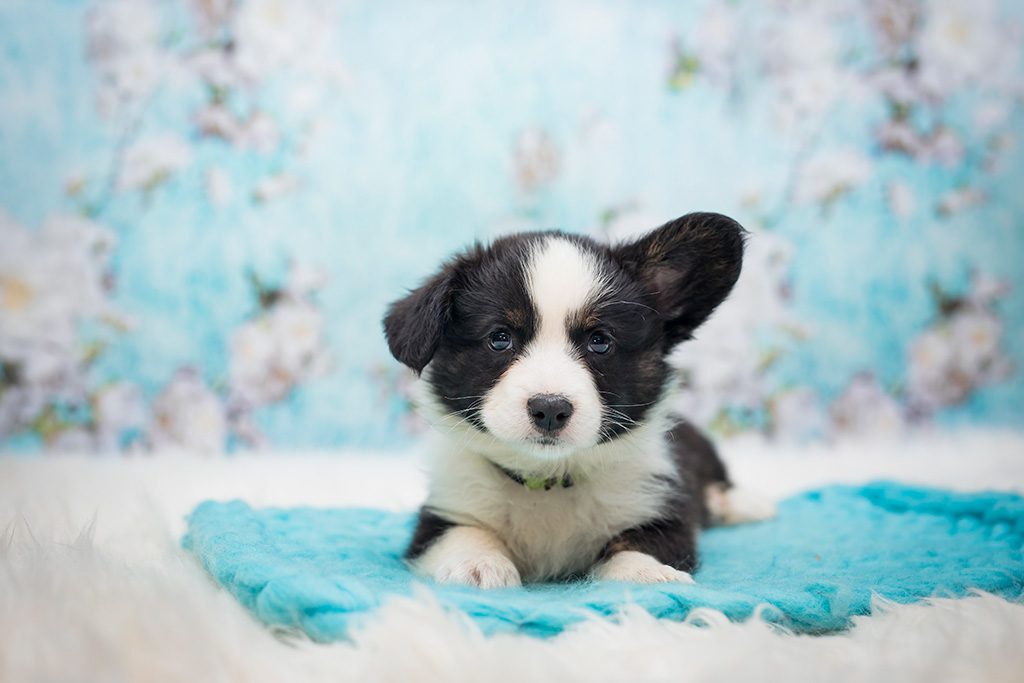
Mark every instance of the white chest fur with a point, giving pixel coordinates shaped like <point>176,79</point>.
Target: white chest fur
<point>560,531</point>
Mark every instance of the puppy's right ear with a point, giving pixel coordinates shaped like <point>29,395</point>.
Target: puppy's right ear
<point>414,325</point>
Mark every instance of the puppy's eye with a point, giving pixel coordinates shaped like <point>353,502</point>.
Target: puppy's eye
<point>599,343</point>
<point>500,340</point>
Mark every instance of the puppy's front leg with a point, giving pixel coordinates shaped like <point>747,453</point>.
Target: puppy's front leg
<point>657,552</point>
<point>469,556</point>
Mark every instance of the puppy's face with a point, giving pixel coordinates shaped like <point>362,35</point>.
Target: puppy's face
<point>553,343</point>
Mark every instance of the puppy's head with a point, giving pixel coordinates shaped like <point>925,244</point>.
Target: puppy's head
<point>552,343</point>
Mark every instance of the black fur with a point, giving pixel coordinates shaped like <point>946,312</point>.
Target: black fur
<point>672,537</point>
<point>689,266</point>
<point>429,527</point>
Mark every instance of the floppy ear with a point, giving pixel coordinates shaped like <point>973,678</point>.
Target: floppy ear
<point>689,266</point>
<point>414,324</point>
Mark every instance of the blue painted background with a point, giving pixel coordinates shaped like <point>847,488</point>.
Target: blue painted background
<point>207,205</point>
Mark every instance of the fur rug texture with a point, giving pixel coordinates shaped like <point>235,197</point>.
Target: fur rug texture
<point>94,585</point>
<point>821,560</point>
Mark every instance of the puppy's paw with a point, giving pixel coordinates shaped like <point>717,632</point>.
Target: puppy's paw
<point>469,556</point>
<point>732,505</point>
<point>491,570</point>
<point>637,567</point>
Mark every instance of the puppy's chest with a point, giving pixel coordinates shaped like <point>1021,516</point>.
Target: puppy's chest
<point>560,532</point>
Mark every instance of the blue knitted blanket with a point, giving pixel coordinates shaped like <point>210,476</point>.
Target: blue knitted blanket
<point>815,566</point>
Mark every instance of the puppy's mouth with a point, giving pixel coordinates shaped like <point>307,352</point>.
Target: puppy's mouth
<point>546,440</point>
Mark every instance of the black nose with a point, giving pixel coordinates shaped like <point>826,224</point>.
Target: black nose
<point>549,412</point>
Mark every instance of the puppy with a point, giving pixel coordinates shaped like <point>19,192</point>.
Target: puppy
<point>543,362</point>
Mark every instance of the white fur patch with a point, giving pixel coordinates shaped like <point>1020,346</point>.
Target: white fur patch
<point>637,567</point>
<point>618,485</point>
<point>735,505</point>
<point>469,556</point>
<point>562,279</point>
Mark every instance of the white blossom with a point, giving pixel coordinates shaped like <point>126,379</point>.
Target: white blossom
<point>960,353</point>
<point>715,41</point>
<point>864,407</point>
<point>51,280</point>
<point>967,43</point>
<point>152,160</point>
<point>901,199</point>
<point>281,347</point>
<point>271,34</point>
<point>893,22</point>
<point>211,15</point>
<point>124,39</point>
<point>218,186</point>
<point>537,159</point>
<point>797,414</point>
<point>188,415</point>
<point>275,186</point>
<point>959,199</point>
<point>830,174</point>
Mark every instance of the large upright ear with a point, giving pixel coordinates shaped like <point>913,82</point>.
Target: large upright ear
<point>689,266</point>
<point>414,324</point>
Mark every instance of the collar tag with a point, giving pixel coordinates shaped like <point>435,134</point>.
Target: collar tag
<point>538,483</point>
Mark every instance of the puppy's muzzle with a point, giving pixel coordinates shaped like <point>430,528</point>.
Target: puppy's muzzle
<point>549,412</point>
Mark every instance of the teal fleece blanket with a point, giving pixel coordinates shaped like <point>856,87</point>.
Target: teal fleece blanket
<point>814,566</point>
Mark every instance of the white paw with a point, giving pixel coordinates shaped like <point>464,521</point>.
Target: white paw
<point>637,567</point>
<point>469,556</point>
<point>492,570</point>
<point>736,505</point>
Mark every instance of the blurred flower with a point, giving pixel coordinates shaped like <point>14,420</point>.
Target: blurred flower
<point>714,43</point>
<point>894,23</point>
<point>272,33</point>
<point>276,351</point>
<point>901,199</point>
<point>123,39</point>
<point>959,199</point>
<point>51,280</point>
<point>966,43</point>
<point>960,353</point>
<point>865,408</point>
<point>212,15</point>
<point>828,175</point>
<point>537,159</point>
<point>280,348</point>
<point>257,131</point>
<point>274,187</point>
<point>152,160</point>
<point>940,145</point>
<point>188,415</point>
<point>797,414</point>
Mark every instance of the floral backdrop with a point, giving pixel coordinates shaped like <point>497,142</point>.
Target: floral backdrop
<point>205,205</point>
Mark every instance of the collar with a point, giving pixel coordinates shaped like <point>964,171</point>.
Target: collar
<point>537,483</point>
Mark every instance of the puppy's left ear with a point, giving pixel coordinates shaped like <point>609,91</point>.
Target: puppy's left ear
<point>414,324</point>
<point>689,266</point>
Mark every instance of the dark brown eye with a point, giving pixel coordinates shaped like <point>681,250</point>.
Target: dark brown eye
<point>599,343</point>
<point>500,340</point>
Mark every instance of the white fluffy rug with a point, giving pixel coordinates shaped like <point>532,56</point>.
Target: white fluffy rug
<point>94,587</point>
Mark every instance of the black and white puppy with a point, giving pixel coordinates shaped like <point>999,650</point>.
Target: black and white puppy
<point>543,362</point>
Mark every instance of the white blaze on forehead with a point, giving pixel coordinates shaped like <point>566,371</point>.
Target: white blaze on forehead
<point>562,278</point>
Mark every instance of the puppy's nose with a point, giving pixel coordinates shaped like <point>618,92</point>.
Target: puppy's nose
<point>549,412</point>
